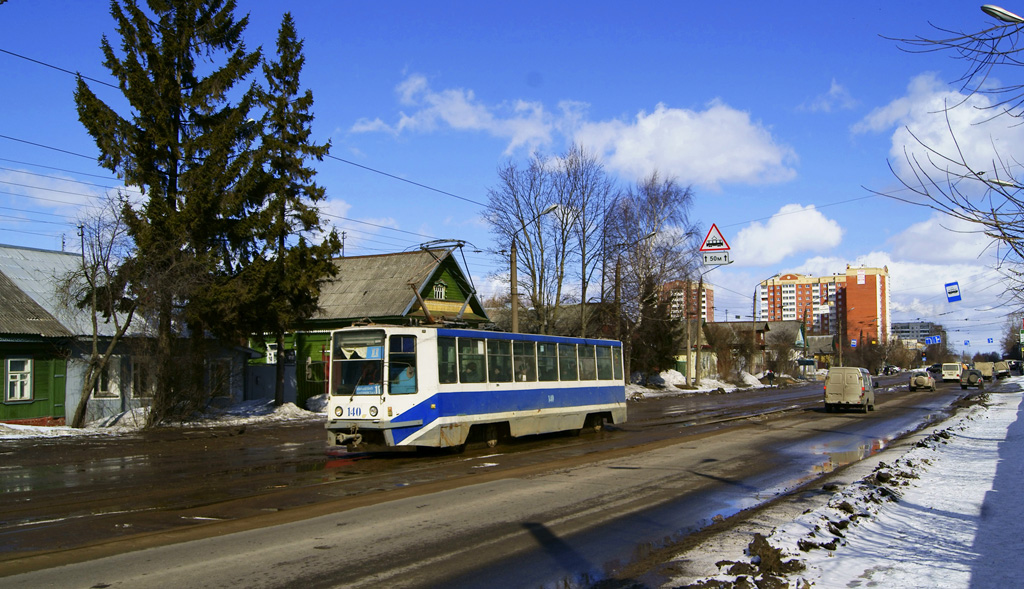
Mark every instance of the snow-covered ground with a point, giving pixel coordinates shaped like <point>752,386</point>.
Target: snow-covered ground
<point>943,512</point>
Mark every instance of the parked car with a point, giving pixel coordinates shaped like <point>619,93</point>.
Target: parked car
<point>971,377</point>
<point>921,380</point>
<point>847,386</point>
<point>888,369</point>
<point>1002,369</point>
<point>951,371</point>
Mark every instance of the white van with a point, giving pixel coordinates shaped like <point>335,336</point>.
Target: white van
<point>846,386</point>
<point>951,371</point>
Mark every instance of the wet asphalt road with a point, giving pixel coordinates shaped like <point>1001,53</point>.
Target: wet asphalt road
<point>88,493</point>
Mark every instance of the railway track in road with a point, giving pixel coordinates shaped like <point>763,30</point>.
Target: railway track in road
<point>177,482</point>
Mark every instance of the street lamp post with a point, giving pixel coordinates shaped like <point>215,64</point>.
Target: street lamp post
<point>512,267</point>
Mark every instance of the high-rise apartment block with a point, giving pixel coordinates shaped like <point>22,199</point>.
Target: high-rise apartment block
<point>854,304</point>
<point>916,331</point>
<point>683,295</point>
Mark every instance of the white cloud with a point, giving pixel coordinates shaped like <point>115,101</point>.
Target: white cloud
<point>794,229</point>
<point>716,145</point>
<point>523,124</point>
<point>941,240</point>
<point>945,121</point>
<point>837,98</point>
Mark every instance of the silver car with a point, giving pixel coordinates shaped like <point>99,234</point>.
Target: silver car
<point>921,380</point>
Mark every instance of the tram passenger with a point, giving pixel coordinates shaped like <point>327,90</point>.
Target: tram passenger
<point>469,373</point>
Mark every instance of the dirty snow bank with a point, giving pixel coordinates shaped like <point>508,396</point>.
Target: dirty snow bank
<point>672,382</point>
<point>943,515</point>
<point>246,412</point>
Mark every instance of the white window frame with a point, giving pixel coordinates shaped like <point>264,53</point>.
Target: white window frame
<point>108,383</point>
<point>18,383</point>
<point>440,291</point>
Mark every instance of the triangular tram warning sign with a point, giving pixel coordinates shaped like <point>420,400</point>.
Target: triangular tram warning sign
<point>714,242</point>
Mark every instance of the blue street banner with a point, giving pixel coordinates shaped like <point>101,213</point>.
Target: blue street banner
<point>990,341</point>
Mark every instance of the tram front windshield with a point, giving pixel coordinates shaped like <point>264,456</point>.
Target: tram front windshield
<point>358,363</point>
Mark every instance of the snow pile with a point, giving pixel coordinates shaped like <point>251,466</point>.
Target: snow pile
<point>672,382</point>
<point>318,404</point>
<point>750,380</point>
<point>942,515</point>
<point>246,412</point>
<point>258,411</point>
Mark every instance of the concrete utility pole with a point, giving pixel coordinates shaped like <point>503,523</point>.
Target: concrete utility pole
<point>512,267</point>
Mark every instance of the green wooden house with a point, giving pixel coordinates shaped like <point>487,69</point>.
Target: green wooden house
<point>44,349</point>
<point>32,343</point>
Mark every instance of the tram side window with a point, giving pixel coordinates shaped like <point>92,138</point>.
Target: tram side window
<point>604,362</point>
<point>547,362</point>
<point>472,360</point>
<point>499,360</point>
<point>524,355</point>
<point>447,371</point>
<point>402,364</point>
<point>617,363</point>
<point>588,370</point>
<point>567,363</point>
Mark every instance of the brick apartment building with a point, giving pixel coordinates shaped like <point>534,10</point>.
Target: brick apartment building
<point>683,295</point>
<point>855,303</point>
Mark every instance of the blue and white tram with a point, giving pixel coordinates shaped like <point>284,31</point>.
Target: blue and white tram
<point>393,386</point>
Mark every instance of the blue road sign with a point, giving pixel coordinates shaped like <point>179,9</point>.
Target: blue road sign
<point>952,292</point>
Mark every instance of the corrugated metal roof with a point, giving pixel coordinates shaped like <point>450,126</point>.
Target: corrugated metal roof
<point>377,286</point>
<point>35,273</point>
<point>20,315</point>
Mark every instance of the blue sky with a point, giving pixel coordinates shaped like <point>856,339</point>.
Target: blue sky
<point>780,115</point>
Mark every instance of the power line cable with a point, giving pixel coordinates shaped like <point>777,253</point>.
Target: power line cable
<point>59,69</point>
<point>9,138</point>
<point>2,159</point>
<point>382,173</point>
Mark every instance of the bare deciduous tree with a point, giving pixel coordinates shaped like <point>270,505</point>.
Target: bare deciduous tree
<point>984,194</point>
<point>515,210</point>
<point>654,242</point>
<point>584,191</point>
<point>98,287</point>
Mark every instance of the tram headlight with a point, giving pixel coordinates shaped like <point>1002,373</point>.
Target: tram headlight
<point>373,411</point>
<point>338,411</point>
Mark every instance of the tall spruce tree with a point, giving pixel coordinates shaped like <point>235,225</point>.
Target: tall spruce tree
<point>290,267</point>
<point>184,144</point>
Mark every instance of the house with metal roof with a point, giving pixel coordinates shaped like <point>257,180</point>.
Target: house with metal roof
<point>45,347</point>
<point>422,287</point>
<point>408,288</point>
